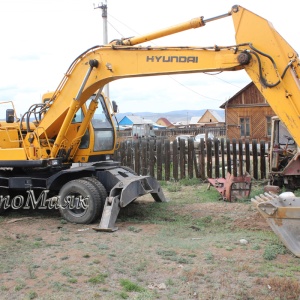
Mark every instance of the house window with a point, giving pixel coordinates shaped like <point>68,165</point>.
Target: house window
<point>245,127</point>
<point>269,125</point>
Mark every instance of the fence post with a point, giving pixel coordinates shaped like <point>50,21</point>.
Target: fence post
<point>223,157</point>
<point>190,157</point>
<point>234,158</point>
<point>167,159</point>
<point>159,159</point>
<point>255,161</point>
<point>262,159</point>
<point>202,160</point>
<point>228,151</point>
<point>247,153</point>
<point>129,162</point>
<point>217,161</point>
<point>182,158</point>
<point>137,157</point>
<point>123,154</point>
<point>175,160</point>
<point>151,157</point>
<point>208,143</point>
<point>241,162</point>
<point>144,162</point>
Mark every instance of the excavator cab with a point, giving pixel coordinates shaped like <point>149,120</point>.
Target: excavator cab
<point>99,140</point>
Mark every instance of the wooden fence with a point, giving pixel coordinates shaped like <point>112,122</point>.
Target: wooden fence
<point>167,160</point>
<point>217,131</point>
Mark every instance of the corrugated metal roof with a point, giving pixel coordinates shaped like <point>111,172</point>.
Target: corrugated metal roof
<point>195,120</point>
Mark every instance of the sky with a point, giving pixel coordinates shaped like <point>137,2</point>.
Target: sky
<point>41,38</point>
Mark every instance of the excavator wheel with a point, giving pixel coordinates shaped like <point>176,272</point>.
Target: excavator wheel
<point>80,202</point>
<point>101,191</point>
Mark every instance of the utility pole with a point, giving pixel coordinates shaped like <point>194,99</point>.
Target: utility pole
<point>105,37</point>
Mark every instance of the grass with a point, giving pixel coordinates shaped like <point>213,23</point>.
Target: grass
<point>99,278</point>
<point>190,246</point>
<point>272,250</point>
<point>130,286</point>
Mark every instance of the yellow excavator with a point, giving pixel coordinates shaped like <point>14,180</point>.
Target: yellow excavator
<point>39,152</point>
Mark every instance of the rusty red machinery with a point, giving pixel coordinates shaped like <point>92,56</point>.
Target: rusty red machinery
<point>232,188</point>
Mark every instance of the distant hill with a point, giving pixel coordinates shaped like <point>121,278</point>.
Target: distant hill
<point>172,116</point>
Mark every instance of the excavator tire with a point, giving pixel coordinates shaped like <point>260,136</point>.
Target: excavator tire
<point>101,191</point>
<point>79,201</point>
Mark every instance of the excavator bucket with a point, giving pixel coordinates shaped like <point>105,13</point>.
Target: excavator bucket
<point>232,187</point>
<point>282,212</point>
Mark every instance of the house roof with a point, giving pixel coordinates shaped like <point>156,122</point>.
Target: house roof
<point>216,115</point>
<point>238,93</point>
<point>194,120</point>
<point>165,121</point>
<point>136,120</point>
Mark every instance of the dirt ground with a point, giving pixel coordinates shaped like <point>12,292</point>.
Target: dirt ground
<point>43,257</point>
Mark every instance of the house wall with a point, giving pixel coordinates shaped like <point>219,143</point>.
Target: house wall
<point>258,121</point>
<point>248,103</point>
<point>207,118</point>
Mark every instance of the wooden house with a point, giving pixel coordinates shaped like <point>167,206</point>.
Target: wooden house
<point>248,115</point>
<point>211,118</point>
<point>165,122</point>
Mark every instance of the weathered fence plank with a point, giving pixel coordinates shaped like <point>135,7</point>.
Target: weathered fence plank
<point>208,145</point>
<point>234,158</point>
<point>137,157</point>
<point>202,160</point>
<point>144,162</point>
<point>190,158</point>
<point>223,157</point>
<point>228,153</point>
<point>167,159</point>
<point>217,161</point>
<point>175,160</point>
<point>247,154</point>
<point>262,159</point>
<point>152,158</point>
<point>255,159</point>
<point>182,158</point>
<point>159,159</point>
<point>241,161</point>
